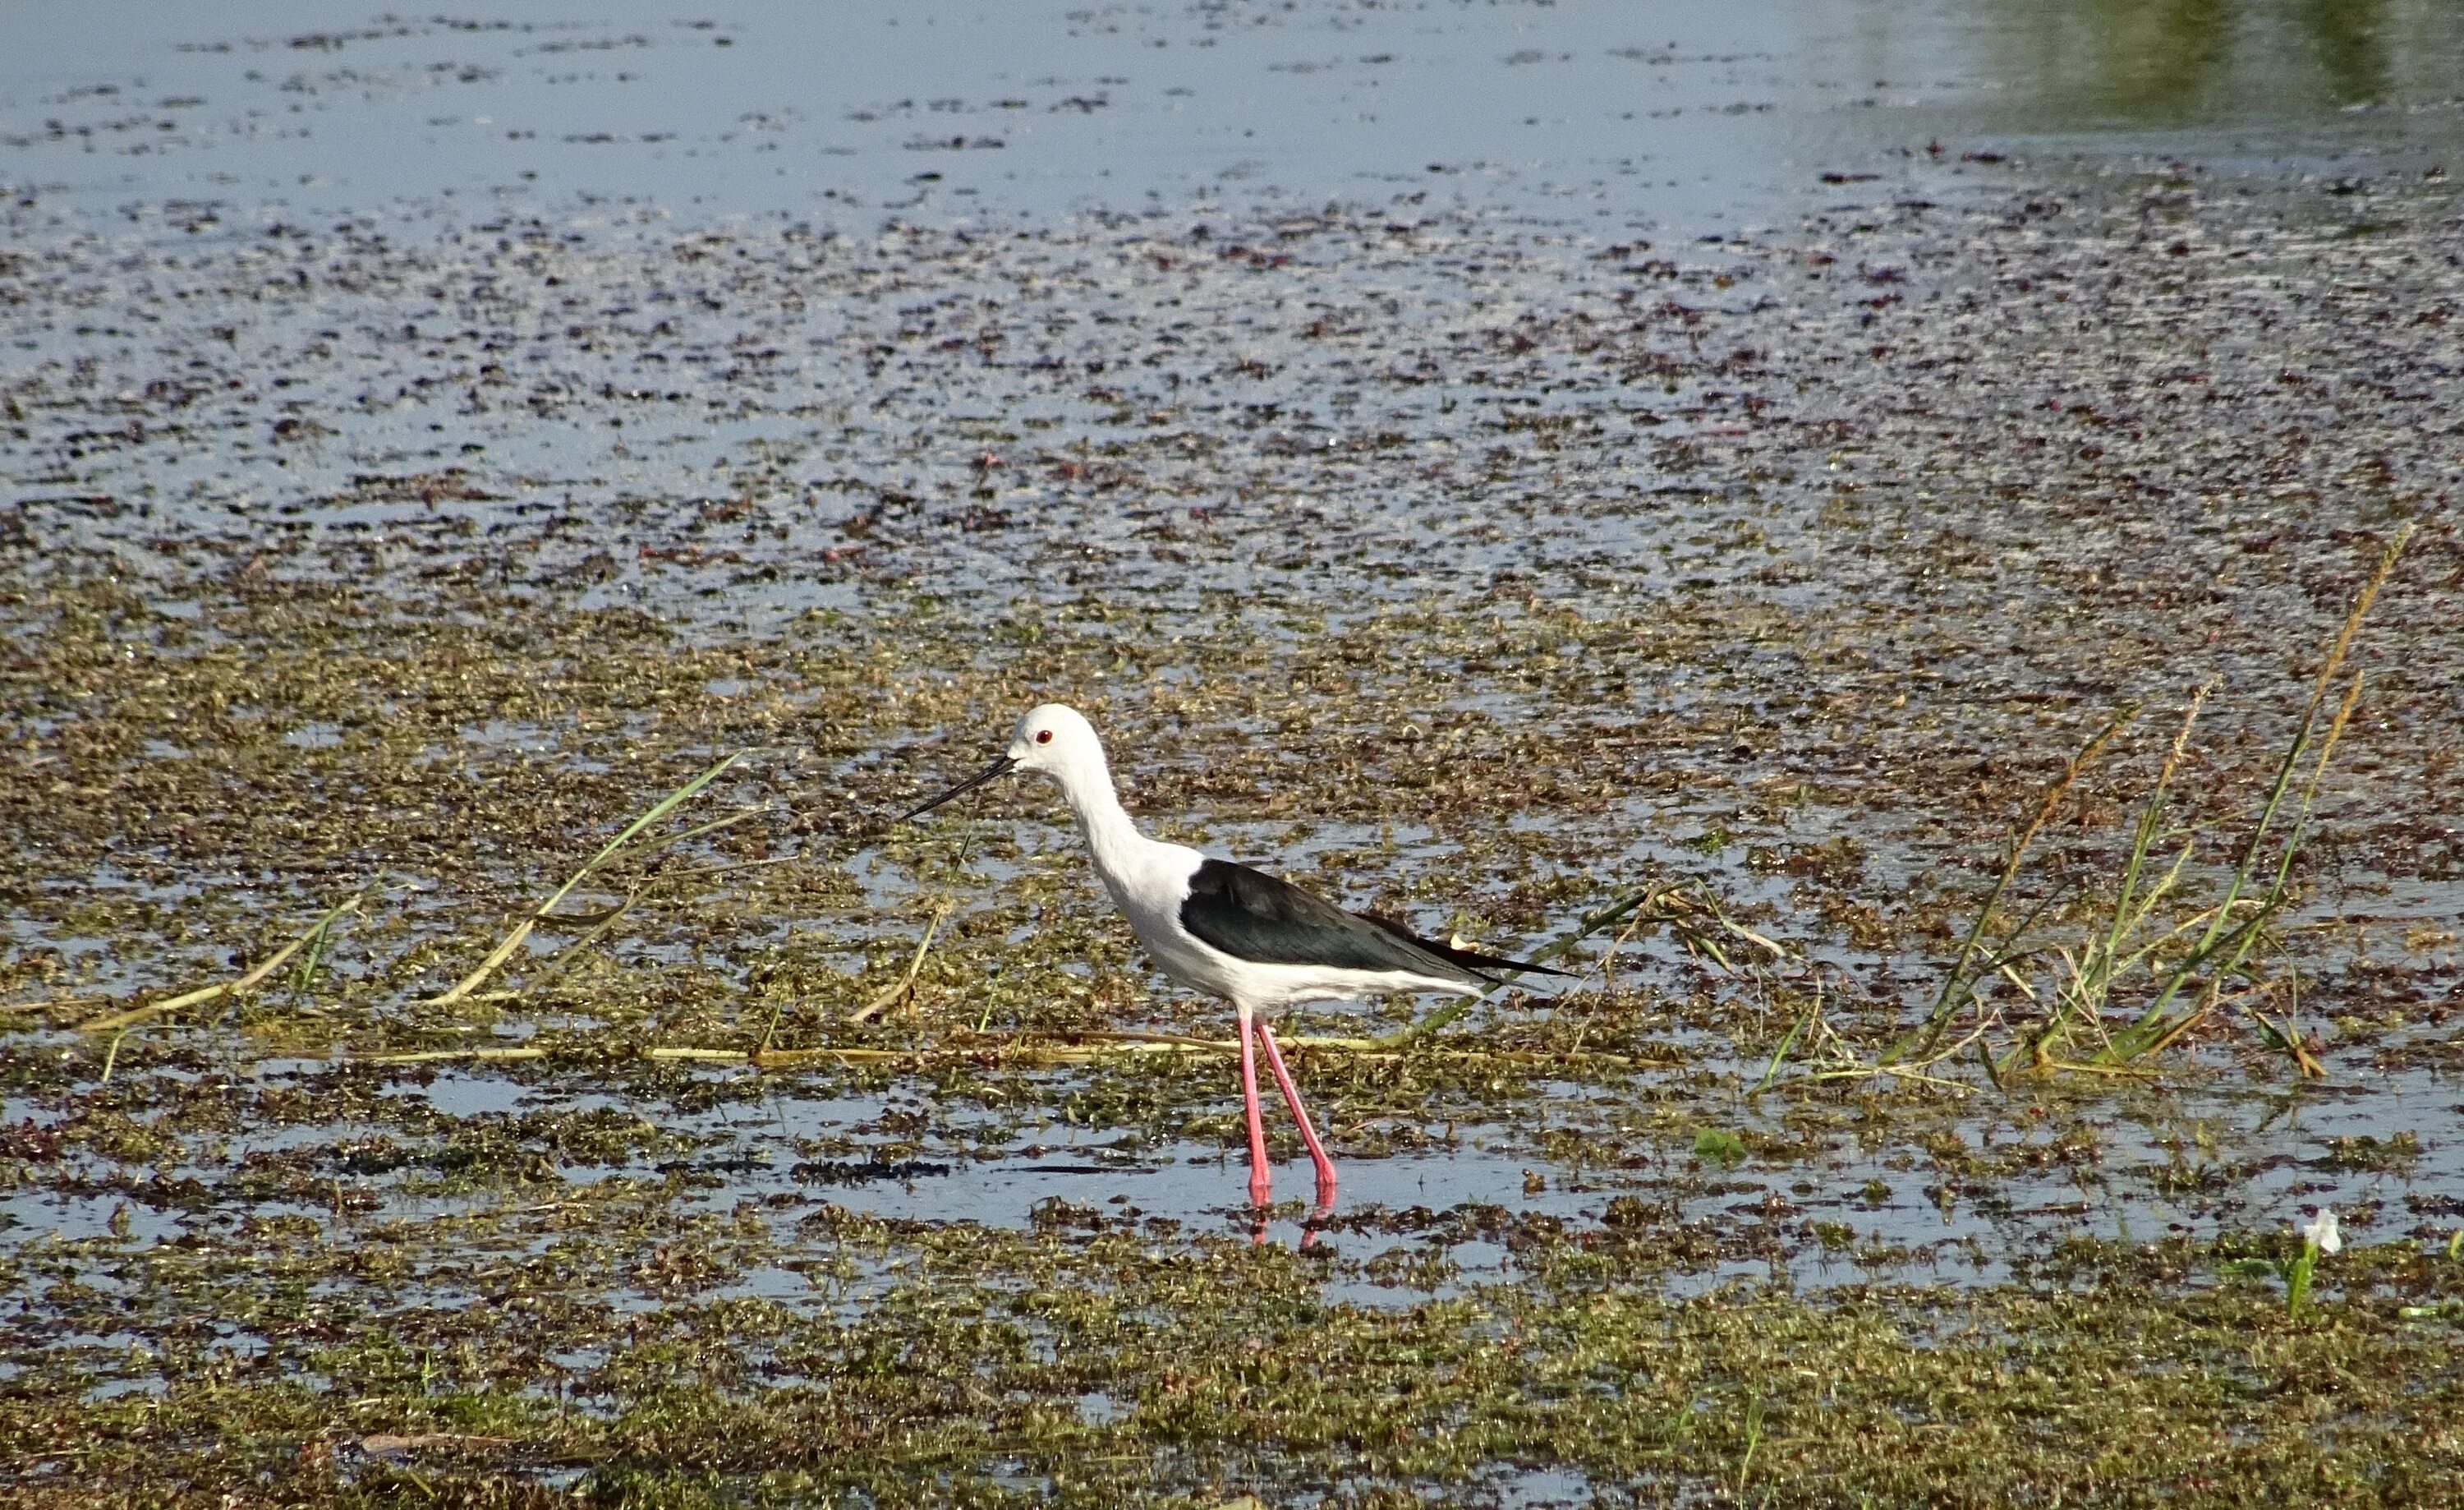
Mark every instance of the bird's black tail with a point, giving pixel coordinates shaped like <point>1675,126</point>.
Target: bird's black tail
<point>1472,959</point>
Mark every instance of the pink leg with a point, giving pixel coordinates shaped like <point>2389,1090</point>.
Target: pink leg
<point>1262,1180</point>
<point>1308,1134</point>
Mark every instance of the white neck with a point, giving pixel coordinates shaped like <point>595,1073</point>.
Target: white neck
<point>1111,832</point>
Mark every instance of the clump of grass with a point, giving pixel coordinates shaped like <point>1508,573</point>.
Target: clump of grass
<point>2180,962</point>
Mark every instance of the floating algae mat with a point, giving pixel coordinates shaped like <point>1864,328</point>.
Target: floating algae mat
<point>1961,648</point>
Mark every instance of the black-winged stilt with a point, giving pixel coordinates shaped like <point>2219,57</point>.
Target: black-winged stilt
<point>1257,942</point>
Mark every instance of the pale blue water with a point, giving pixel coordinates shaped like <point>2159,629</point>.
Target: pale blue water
<point>1687,113</point>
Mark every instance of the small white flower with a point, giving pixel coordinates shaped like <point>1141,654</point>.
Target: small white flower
<point>2321,1232</point>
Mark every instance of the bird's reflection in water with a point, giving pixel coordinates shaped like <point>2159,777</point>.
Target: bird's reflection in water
<point>1322,1213</point>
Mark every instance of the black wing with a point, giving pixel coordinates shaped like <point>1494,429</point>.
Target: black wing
<point>1253,915</point>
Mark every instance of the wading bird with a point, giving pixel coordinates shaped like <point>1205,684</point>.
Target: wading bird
<point>1257,942</point>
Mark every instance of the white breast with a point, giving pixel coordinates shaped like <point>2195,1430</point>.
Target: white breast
<point>1148,881</point>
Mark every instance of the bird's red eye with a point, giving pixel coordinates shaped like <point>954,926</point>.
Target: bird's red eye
<point>1044,735</point>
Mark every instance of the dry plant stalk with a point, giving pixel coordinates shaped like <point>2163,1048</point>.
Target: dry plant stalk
<point>248,982</point>
<point>906,982</point>
<point>1082,1047</point>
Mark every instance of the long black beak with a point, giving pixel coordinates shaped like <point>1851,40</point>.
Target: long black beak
<point>998,768</point>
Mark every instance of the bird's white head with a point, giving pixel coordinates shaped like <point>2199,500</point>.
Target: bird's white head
<point>1057,740</point>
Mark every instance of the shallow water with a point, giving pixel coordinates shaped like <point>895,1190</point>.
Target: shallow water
<point>964,110</point>
<point>2188,1161</point>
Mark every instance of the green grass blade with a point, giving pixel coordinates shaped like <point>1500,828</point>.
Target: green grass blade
<point>1945,1002</point>
<point>513,941</point>
<point>1804,1020</point>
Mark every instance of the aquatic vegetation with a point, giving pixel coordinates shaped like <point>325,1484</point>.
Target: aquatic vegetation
<point>2321,1237</point>
<point>2154,925</point>
<point>522,1068</point>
